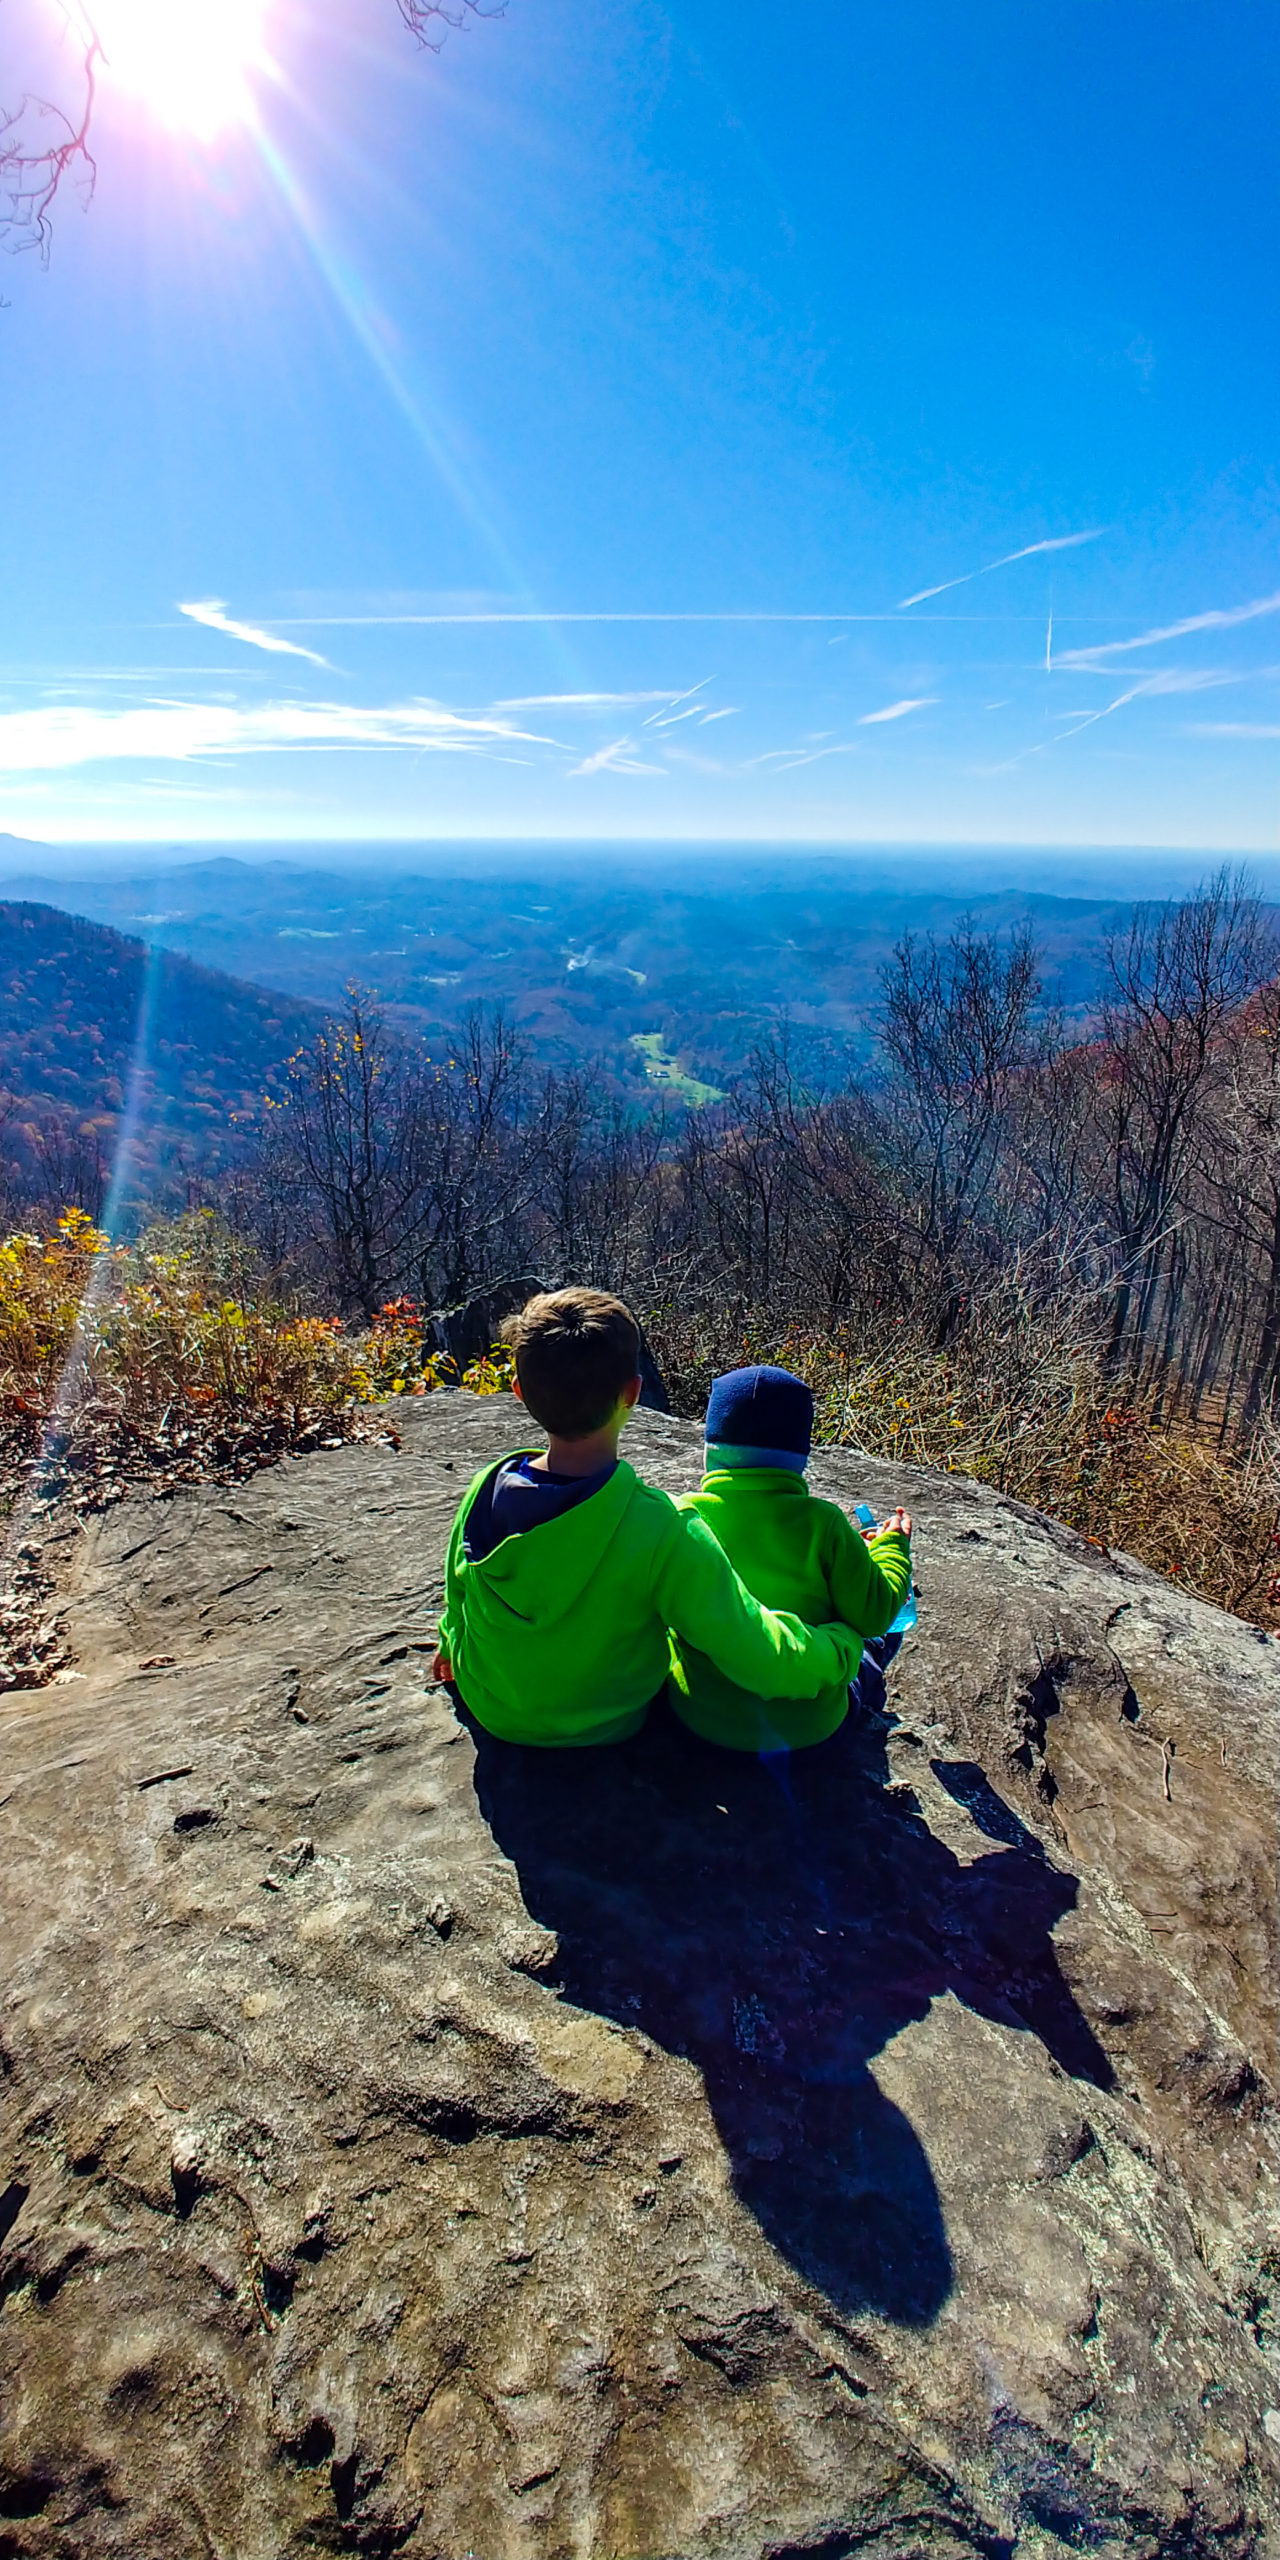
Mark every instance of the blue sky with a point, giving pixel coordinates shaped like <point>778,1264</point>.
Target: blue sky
<point>576,410</point>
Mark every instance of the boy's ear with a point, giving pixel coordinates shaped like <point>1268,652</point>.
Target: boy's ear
<point>516,1390</point>
<point>631,1392</point>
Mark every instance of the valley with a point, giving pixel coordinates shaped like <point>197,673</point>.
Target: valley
<point>630,958</point>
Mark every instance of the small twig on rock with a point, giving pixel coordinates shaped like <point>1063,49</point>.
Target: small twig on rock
<point>1166,1760</point>
<point>255,2278</point>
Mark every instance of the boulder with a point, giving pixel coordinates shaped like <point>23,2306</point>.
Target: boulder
<point>411,2145</point>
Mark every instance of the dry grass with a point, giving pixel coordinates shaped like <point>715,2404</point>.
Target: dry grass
<point>1014,1405</point>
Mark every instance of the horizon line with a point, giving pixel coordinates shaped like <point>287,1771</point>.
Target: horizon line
<point>235,846</point>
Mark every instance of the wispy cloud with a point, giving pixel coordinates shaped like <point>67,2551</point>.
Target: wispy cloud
<point>215,617</point>
<point>689,757</point>
<point>585,701</point>
<point>671,712</point>
<point>897,710</point>
<point>1234,728</point>
<point>1168,680</point>
<point>57,738</point>
<point>788,759</point>
<point>618,757</point>
<point>693,711</point>
<point>1219,619</point>
<point>64,677</point>
<point>1030,551</point>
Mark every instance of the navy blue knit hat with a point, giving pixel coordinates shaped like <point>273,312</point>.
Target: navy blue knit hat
<point>761,1408</point>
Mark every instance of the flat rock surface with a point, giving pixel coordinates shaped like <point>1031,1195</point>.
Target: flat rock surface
<point>644,2155</point>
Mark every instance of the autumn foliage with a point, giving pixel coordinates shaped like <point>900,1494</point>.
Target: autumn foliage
<point>173,1358</point>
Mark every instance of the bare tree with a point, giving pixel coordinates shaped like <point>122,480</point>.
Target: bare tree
<point>604,1193</point>
<point>959,1024</point>
<point>1177,976</point>
<point>13,1189</point>
<point>739,1181</point>
<point>387,1170</point>
<point>482,1128</point>
<point>70,1167</point>
<point>1234,1192</point>
<point>1256,1117</point>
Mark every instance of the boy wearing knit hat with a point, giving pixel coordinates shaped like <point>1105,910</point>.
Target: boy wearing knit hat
<point>565,1572</point>
<point>792,1552</point>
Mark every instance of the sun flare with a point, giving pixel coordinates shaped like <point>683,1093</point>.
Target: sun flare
<point>190,62</point>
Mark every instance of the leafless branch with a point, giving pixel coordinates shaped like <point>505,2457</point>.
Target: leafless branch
<point>430,20</point>
<point>44,148</point>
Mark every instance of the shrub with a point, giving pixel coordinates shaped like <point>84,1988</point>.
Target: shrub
<point>144,1362</point>
<point>392,1360</point>
<point>175,1356</point>
<point>1020,1401</point>
<point>46,1282</point>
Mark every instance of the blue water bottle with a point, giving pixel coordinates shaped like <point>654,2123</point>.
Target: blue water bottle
<point>906,1616</point>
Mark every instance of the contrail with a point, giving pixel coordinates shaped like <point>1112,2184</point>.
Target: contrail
<point>214,616</point>
<point>1221,619</point>
<point>432,621</point>
<point>1192,680</point>
<point>662,718</point>
<point>1048,646</point>
<point>1059,542</point>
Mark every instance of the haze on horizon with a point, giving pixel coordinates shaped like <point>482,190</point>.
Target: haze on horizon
<point>635,426</point>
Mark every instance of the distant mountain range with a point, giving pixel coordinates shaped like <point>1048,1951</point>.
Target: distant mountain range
<point>187,984</point>
<point>593,955</point>
<point>101,1036</point>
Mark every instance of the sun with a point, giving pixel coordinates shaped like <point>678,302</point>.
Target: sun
<point>190,62</point>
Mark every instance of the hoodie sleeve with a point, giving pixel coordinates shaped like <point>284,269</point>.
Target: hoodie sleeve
<point>448,1616</point>
<point>451,1615</point>
<point>763,1650</point>
<point>868,1584</point>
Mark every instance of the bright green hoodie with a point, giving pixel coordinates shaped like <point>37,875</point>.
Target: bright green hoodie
<point>559,1636</point>
<point>795,1553</point>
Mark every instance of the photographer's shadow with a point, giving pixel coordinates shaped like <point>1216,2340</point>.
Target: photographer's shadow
<point>777,1923</point>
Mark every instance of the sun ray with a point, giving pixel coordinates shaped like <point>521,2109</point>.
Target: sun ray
<point>376,334</point>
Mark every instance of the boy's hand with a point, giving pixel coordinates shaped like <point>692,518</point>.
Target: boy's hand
<point>442,1670</point>
<point>898,1525</point>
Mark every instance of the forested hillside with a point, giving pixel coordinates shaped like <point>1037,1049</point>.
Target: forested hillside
<point>97,1030</point>
<point>1042,1253</point>
<point>1039,1251</point>
<point>594,956</point>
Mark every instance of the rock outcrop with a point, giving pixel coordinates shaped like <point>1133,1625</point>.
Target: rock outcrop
<point>651,2156</point>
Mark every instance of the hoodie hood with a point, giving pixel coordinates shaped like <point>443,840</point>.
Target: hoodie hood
<point>559,1636</point>
<point>540,1575</point>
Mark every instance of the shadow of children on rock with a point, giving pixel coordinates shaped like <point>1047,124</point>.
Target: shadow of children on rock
<point>777,1922</point>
